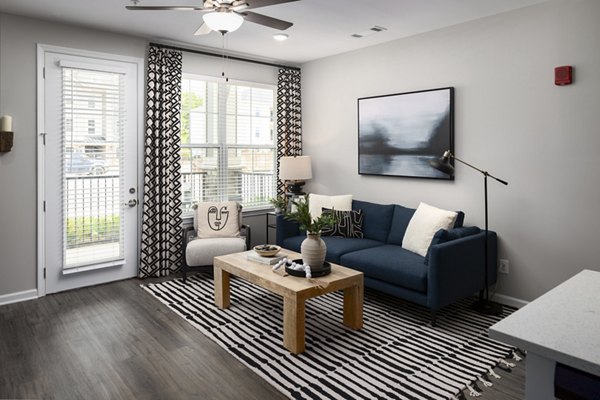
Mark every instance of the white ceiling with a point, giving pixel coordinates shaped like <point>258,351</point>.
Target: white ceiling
<point>321,27</point>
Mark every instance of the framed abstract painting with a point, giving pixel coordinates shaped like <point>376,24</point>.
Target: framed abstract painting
<point>398,134</point>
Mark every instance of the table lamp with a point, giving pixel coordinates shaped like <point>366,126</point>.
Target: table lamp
<point>294,171</point>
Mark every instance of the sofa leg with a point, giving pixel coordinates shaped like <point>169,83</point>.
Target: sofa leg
<point>433,318</point>
<point>184,270</point>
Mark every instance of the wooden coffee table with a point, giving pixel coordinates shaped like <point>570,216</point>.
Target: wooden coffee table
<point>294,290</point>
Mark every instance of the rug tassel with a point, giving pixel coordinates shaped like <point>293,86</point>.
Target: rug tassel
<point>495,375</point>
<point>510,365</point>
<point>515,356</point>
<point>473,392</point>
<point>485,383</point>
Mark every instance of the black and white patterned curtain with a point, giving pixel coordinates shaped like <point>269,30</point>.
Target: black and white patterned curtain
<point>289,118</point>
<point>161,246</point>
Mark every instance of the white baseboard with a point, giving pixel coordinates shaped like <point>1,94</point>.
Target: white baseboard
<point>18,296</point>
<point>509,301</point>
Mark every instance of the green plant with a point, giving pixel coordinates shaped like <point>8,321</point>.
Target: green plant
<point>279,202</point>
<point>88,230</point>
<point>301,215</point>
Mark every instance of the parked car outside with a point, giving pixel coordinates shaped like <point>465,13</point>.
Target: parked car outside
<point>81,164</point>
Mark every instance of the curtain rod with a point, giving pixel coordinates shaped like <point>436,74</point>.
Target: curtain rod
<point>207,53</point>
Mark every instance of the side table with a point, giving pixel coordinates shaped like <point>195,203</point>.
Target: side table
<point>270,223</point>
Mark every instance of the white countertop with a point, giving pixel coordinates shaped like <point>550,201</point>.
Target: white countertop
<point>561,325</point>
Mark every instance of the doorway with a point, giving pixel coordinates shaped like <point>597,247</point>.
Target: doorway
<point>89,147</point>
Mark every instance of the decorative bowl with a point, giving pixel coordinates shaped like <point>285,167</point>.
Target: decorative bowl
<point>325,269</point>
<point>266,250</point>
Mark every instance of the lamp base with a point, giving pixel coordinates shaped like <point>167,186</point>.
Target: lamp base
<point>295,187</point>
<point>487,307</point>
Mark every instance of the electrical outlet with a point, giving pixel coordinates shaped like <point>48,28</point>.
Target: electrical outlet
<point>503,266</point>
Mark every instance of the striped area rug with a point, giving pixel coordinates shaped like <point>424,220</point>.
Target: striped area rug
<point>396,355</point>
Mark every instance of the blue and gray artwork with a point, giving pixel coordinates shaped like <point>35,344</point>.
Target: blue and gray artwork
<point>400,134</point>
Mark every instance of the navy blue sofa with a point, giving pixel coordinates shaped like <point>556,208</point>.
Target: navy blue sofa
<point>452,269</point>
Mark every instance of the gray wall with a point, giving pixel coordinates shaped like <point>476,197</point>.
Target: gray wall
<point>18,185</point>
<point>510,119</point>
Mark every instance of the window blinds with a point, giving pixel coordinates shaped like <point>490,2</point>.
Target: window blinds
<point>228,142</point>
<point>93,114</point>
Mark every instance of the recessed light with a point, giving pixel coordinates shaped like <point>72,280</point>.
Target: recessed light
<point>280,37</point>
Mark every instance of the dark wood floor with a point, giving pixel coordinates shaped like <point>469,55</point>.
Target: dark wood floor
<point>115,341</point>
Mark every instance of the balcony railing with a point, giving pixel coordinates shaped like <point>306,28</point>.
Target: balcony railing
<point>250,189</point>
<point>94,203</point>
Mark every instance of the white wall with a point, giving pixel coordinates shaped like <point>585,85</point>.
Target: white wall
<point>510,119</point>
<point>18,39</point>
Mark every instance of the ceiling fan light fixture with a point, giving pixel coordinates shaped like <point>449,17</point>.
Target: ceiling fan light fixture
<point>280,37</point>
<point>223,21</point>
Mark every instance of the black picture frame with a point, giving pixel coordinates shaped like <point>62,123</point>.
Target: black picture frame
<point>398,134</point>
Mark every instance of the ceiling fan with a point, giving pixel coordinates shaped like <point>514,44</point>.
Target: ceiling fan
<point>226,15</point>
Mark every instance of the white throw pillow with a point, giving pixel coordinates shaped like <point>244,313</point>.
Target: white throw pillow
<point>316,203</point>
<point>216,219</point>
<point>425,222</point>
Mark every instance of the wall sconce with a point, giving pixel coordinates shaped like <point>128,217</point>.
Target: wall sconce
<point>6,134</point>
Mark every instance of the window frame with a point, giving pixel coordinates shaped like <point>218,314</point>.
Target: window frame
<point>221,146</point>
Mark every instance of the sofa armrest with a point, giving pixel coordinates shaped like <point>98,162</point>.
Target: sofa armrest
<point>456,268</point>
<point>246,232</point>
<point>285,229</point>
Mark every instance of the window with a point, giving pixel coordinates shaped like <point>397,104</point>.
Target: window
<point>228,145</point>
<point>92,201</point>
<point>91,127</point>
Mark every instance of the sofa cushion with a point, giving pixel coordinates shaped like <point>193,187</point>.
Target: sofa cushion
<point>336,246</point>
<point>460,218</point>
<point>400,220</point>
<point>443,236</point>
<point>349,224</point>
<point>425,222</point>
<point>377,219</point>
<point>200,252</point>
<point>390,263</point>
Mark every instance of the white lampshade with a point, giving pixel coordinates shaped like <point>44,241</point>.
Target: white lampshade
<point>223,21</point>
<point>295,168</point>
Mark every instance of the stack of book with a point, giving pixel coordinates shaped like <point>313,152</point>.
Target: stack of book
<point>265,260</point>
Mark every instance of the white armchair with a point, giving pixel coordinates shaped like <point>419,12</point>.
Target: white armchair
<point>217,231</point>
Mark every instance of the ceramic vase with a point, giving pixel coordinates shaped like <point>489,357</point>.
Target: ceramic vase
<point>313,250</point>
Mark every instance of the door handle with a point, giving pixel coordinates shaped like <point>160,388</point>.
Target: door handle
<point>131,203</point>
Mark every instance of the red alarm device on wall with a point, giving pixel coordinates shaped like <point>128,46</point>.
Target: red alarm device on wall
<point>563,75</point>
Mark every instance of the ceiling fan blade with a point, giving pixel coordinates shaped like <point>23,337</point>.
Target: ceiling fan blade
<point>203,30</point>
<point>264,3</point>
<point>238,6</point>
<point>266,21</point>
<point>163,8</point>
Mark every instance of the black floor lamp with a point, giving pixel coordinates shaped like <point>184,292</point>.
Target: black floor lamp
<point>484,305</point>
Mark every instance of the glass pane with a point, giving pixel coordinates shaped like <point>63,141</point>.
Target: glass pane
<point>250,177</point>
<point>199,176</point>
<point>93,113</point>
<point>233,115</point>
<point>262,131</point>
<point>262,102</point>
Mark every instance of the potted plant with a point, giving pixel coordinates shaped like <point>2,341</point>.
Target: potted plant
<point>279,204</point>
<point>313,248</point>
